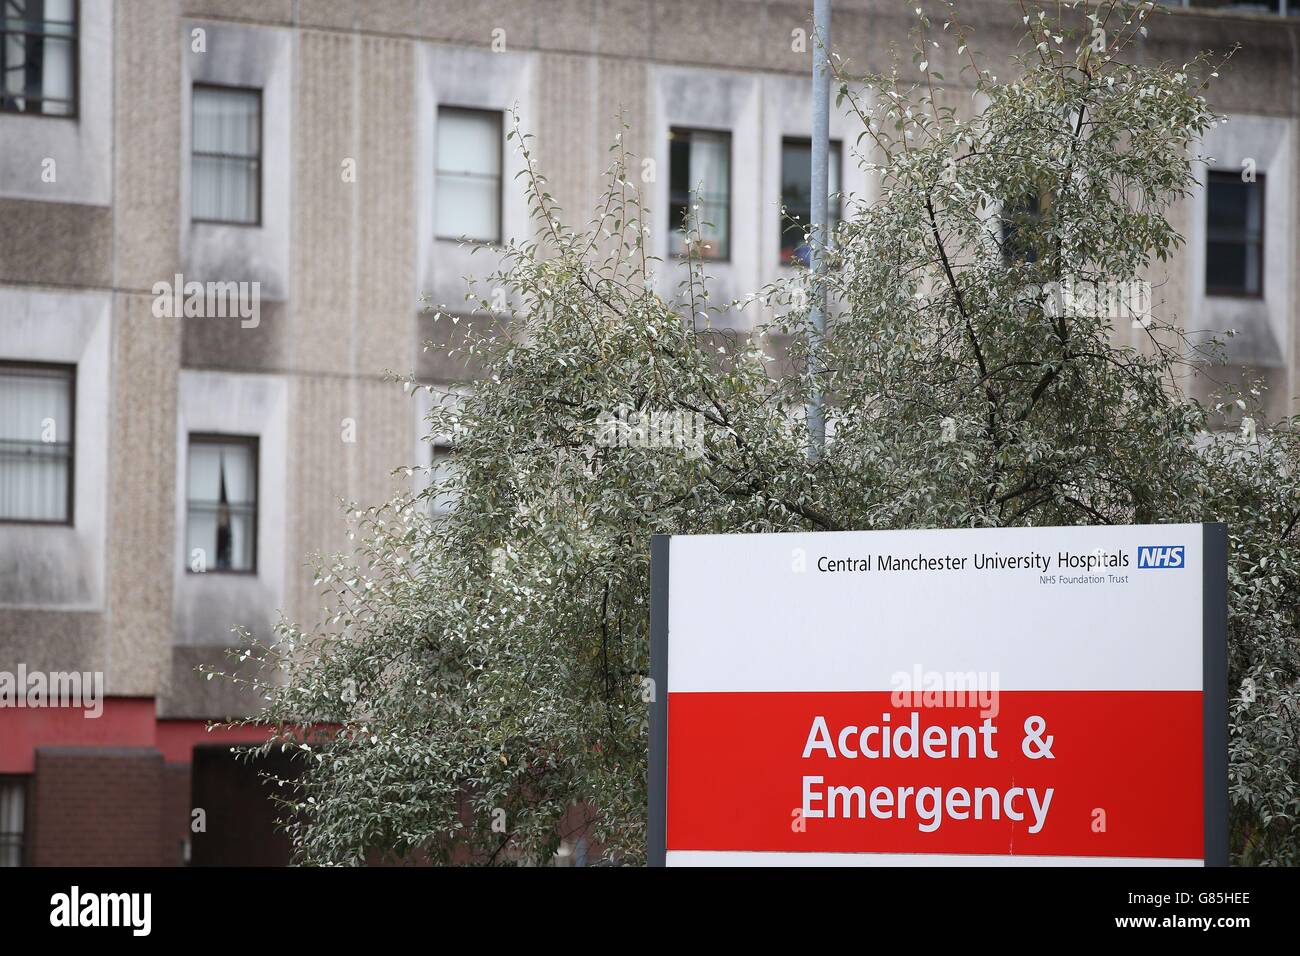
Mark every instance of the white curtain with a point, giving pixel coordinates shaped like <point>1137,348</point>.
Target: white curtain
<point>711,178</point>
<point>35,449</point>
<point>221,494</point>
<point>227,149</point>
<point>58,55</point>
<point>469,175</point>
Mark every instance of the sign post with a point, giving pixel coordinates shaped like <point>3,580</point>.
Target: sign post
<point>988,697</point>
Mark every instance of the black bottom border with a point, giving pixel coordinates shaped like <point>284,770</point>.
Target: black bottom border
<point>301,904</point>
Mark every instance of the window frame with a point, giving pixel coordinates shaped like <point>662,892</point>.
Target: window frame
<point>74,101</point>
<point>441,452</point>
<point>261,152</point>
<point>254,442</point>
<point>833,197</point>
<point>24,837</point>
<point>1220,292</point>
<point>499,241</point>
<point>69,507</point>
<point>674,228</point>
<point>1008,229</point>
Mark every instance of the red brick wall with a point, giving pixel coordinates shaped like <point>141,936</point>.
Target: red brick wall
<point>97,807</point>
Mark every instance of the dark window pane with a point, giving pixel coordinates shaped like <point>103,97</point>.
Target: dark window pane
<point>1234,234</point>
<point>679,152</point>
<point>1225,266</point>
<point>796,195</point>
<point>1019,218</point>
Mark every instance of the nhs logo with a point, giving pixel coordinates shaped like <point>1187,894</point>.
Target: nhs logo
<point>1160,556</point>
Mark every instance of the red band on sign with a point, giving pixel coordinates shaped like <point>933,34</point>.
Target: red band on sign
<point>1123,778</point>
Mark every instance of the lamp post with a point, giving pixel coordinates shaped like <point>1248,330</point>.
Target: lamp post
<point>821,131</point>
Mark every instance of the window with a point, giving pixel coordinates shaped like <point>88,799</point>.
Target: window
<point>469,174</point>
<point>38,57</point>
<point>13,810</point>
<point>441,465</point>
<point>1019,220</point>
<point>1234,235</point>
<point>36,412</point>
<point>796,196</point>
<point>221,533</point>
<point>700,185</point>
<point>226,184</point>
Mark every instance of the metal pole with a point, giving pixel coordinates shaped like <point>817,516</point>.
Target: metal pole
<point>821,133</point>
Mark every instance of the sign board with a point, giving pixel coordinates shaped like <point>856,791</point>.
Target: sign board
<point>1001,696</point>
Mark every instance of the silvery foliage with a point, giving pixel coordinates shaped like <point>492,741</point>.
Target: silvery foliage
<point>477,688</point>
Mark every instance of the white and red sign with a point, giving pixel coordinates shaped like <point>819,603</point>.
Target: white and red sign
<point>1006,696</point>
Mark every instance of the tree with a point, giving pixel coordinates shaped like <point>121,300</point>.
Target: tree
<point>479,685</point>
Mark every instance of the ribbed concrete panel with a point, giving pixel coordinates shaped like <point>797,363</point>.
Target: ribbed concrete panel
<point>146,354</point>
<point>146,141</point>
<point>318,468</point>
<point>385,240</point>
<point>621,88</point>
<point>388,412</point>
<point>326,133</point>
<point>566,152</point>
<point>323,468</point>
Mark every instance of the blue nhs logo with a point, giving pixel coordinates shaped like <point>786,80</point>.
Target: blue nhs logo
<point>1160,556</point>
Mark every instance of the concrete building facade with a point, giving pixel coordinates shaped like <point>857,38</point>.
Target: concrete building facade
<point>324,150</point>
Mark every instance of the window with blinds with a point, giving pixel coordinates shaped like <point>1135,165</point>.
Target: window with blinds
<point>226,180</point>
<point>468,198</point>
<point>36,442</point>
